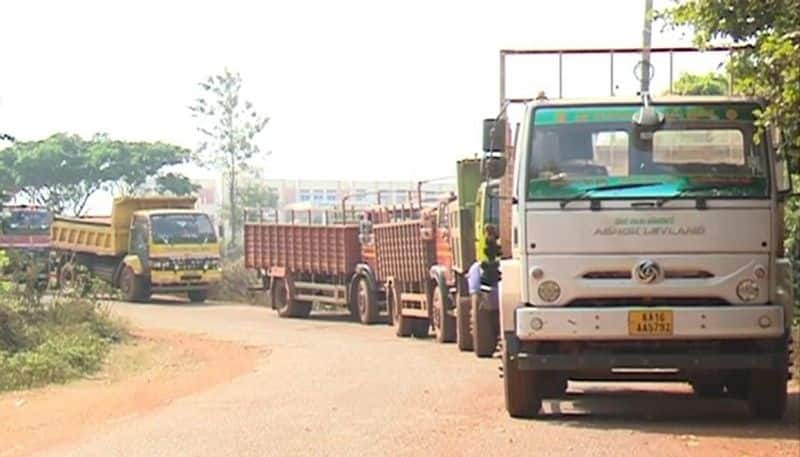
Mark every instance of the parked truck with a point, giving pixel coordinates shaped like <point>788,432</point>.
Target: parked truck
<point>25,235</point>
<point>647,246</point>
<point>148,245</point>
<point>460,233</point>
<point>300,263</point>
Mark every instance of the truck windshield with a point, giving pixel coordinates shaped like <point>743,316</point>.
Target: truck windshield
<point>27,222</point>
<point>596,152</point>
<point>182,229</point>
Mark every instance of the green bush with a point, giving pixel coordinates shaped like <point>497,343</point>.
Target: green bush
<point>52,338</point>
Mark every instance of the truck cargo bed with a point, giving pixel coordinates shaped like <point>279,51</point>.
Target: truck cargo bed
<point>402,252</point>
<point>315,249</point>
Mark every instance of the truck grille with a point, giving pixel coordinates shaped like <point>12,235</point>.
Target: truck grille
<point>645,302</point>
<point>668,274</point>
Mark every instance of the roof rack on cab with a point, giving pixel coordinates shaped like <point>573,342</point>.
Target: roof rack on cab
<point>611,52</point>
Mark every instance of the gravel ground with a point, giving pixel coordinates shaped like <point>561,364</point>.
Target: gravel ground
<point>331,387</point>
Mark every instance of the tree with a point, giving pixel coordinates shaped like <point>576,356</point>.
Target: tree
<point>62,171</point>
<point>175,184</point>
<point>250,194</point>
<point>228,127</point>
<point>708,84</point>
<point>769,67</point>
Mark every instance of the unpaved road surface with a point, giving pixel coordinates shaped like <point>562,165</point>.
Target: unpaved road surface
<point>325,386</point>
<point>145,373</point>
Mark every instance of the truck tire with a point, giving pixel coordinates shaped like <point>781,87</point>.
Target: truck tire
<point>284,305</point>
<point>420,328</point>
<point>197,296</point>
<point>134,287</point>
<point>403,325</point>
<point>766,397</point>
<point>66,277</point>
<point>521,396</point>
<point>484,332</point>
<point>444,324</point>
<point>366,302</point>
<point>463,323</point>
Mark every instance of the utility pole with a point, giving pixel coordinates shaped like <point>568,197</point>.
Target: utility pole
<point>647,33</point>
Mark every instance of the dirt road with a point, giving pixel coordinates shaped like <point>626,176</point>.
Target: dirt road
<point>324,386</point>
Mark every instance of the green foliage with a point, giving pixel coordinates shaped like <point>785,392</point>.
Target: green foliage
<point>251,194</point>
<point>228,126</point>
<point>770,68</point>
<point>175,184</point>
<point>62,171</point>
<point>62,338</point>
<point>708,84</point>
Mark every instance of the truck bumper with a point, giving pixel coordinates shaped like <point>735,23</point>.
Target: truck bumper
<point>183,281</point>
<point>696,322</point>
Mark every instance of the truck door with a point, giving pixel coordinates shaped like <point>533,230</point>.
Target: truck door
<point>140,239</point>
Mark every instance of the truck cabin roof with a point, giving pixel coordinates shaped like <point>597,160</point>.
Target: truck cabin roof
<point>655,100</point>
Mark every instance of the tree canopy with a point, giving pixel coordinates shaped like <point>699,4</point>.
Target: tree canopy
<point>707,84</point>
<point>769,66</point>
<point>63,170</point>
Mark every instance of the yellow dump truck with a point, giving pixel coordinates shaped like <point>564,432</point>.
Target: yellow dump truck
<point>148,245</point>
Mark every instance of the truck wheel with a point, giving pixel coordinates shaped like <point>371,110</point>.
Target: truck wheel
<point>366,302</point>
<point>463,323</point>
<point>282,303</point>
<point>766,398</point>
<point>66,277</point>
<point>197,296</point>
<point>484,333</point>
<point>522,399</point>
<point>444,324</point>
<point>420,328</point>
<point>133,286</point>
<point>403,326</point>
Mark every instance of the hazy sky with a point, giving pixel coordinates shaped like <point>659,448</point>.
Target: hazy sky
<point>355,89</point>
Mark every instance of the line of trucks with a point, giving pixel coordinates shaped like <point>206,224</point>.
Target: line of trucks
<point>639,239</point>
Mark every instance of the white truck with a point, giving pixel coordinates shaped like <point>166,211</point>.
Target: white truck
<point>647,245</point>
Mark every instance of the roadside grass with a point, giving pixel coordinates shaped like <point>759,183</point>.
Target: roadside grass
<point>53,338</point>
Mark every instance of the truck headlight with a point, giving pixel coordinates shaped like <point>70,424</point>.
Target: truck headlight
<point>747,290</point>
<point>549,291</point>
<point>211,264</point>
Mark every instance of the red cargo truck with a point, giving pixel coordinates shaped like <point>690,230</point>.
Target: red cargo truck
<point>303,263</point>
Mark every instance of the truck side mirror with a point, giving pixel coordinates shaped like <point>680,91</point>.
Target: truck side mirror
<point>494,135</point>
<point>783,180</point>
<point>775,137</point>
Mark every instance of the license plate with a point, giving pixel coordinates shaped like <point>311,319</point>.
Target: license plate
<point>650,323</point>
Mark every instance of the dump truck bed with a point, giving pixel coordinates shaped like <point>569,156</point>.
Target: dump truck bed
<point>315,249</point>
<point>108,235</point>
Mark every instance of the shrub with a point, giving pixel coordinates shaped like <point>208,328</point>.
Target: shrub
<point>53,338</point>
<point>235,284</point>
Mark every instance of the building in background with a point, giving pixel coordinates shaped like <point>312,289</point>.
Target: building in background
<point>317,195</point>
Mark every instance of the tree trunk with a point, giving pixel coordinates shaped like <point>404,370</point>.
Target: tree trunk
<point>232,191</point>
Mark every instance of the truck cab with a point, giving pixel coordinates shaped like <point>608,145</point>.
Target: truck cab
<point>647,246</point>
<point>25,233</point>
<point>178,247</point>
<point>147,245</point>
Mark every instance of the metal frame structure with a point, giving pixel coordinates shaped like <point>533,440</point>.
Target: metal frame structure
<point>611,52</point>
